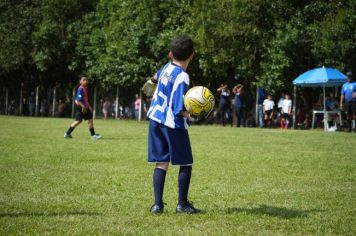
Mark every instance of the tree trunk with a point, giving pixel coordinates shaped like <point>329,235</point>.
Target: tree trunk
<point>94,102</point>
<point>37,100</point>
<point>54,101</point>
<point>117,102</point>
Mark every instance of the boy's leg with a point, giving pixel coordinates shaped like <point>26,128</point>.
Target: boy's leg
<point>184,176</point>
<point>94,136</point>
<point>91,127</point>
<point>184,206</point>
<point>72,127</point>
<point>158,153</point>
<point>159,177</point>
<point>282,123</point>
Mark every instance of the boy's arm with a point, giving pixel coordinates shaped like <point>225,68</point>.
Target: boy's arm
<point>342,97</point>
<point>178,96</point>
<point>341,101</point>
<point>79,103</point>
<point>234,90</point>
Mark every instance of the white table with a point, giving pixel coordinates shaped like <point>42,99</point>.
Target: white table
<point>326,116</point>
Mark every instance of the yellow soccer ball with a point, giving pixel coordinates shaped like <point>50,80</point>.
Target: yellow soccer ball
<point>199,101</point>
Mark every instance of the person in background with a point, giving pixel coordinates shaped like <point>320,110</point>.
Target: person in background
<point>331,104</point>
<point>100,107</point>
<point>11,110</point>
<point>106,108</point>
<point>268,106</point>
<point>261,97</point>
<point>348,93</point>
<point>137,105</point>
<point>43,108</point>
<point>25,106</point>
<point>61,108</point>
<point>286,111</point>
<point>279,106</point>
<point>239,104</point>
<point>224,104</point>
<point>32,104</point>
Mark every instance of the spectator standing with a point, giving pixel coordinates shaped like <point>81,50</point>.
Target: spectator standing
<point>261,97</point>
<point>331,104</point>
<point>286,111</point>
<point>61,108</point>
<point>137,105</point>
<point>348,93</point>
<point>268,106</point>
<point>239,105</point>
<point>279,104</point>
<point>32,104</point>
<point>43,108</point>
<point>224,104</point>
<point>25,107</point>
<point>106,108</point>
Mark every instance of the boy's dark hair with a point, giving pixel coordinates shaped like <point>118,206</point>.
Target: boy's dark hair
<point>181,47</point>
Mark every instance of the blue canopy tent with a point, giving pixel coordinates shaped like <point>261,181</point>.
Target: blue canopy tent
<point>319,77</point>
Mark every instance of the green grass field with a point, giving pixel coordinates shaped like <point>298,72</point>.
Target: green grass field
<point>249,181</point>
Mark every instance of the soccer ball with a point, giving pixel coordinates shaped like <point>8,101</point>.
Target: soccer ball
<point>199,101</point>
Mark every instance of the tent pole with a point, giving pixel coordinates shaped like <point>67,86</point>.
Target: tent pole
<point>294,105</point>
<point>325,116</point>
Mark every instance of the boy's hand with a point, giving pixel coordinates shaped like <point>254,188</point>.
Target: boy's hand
<point>354,95</point>
<point>84,110</point>
<point>186,114</point>
<point>149,87</point>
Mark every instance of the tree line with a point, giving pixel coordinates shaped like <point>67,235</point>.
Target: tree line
<point>264,43</point>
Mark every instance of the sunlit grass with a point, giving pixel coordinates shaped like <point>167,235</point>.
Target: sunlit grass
<point>248,181</point>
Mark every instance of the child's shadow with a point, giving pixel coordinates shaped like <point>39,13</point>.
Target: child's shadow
<point>280,212</point>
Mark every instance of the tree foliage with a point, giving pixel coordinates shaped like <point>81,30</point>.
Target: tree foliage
<point>256,42</point>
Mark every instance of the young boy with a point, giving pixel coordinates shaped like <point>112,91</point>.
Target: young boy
<point>83,110</point>
<point>268,106</point>
<point>286,111</point>
<point>168,140</point>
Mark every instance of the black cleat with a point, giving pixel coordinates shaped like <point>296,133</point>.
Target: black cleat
<point>157,209</point>
<point>187,208</point>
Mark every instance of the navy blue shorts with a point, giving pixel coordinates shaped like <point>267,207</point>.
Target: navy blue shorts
<point>168,145</point>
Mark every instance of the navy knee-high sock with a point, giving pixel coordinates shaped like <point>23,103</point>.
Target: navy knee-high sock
<point>159,176</point>
<point>185,172</point>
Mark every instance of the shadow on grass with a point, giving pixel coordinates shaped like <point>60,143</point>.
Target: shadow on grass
<point>47,214</point>
<point>280,212</point>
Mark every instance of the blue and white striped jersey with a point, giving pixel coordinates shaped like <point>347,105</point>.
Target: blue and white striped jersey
<point>167,103</point>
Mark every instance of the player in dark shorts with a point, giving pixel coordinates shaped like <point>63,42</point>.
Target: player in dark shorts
<point>168,138</point>
<point>83,110</point>
<point>348,93</point>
